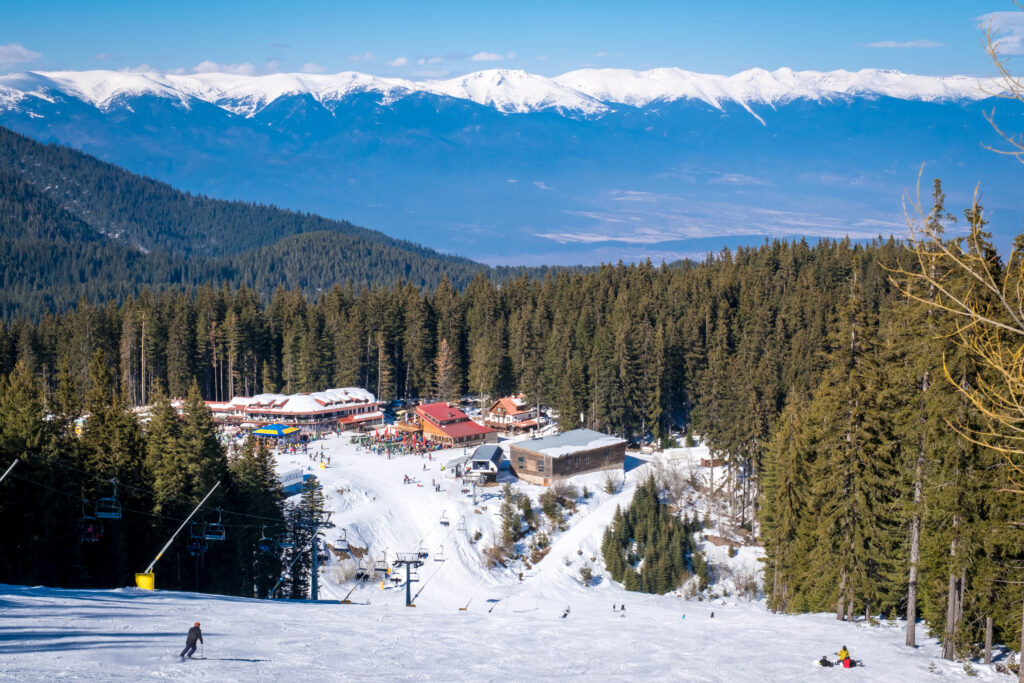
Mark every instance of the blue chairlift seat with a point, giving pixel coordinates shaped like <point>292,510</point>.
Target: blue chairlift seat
<point>215,530</point>
<point>108,508</point>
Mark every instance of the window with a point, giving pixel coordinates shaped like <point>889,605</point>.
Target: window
<point>540,465</point>
<point>521,460</point>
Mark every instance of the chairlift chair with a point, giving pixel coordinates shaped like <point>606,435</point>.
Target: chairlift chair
<point>197,546</point>
<point>381,565</point>
<point>444,518</point>
<point>109,508</point>
<point>422,552</point>
<point>215,530</point>
<point>439,556</point>
<point>287,541</point>
<point>341,543</point>
<point>265,544</point>
<point>462,523</point>
<point>89,528</point>
<point>362,571</point>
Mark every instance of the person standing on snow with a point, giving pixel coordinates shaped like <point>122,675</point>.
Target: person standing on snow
<point>194,634</point>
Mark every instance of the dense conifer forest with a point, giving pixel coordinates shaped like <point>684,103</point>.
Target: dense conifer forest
<point>72,226</point>
<point>832,397</point>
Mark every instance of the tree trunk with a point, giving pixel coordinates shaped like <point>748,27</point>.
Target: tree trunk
<point>849,607</point>
<point>988,640</point>
<point>1020,669</point>
<point>952,608</point>
<point>915,551</point>
<point>841,602</point>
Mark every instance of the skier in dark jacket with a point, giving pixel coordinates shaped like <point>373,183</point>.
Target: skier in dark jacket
<point>194,634</point>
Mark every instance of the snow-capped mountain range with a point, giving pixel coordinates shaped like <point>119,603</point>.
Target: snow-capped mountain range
<point>589,92</point>
<point>510,167</point>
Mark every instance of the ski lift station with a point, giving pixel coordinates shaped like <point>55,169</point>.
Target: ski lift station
<point>486,462</point>
<point>542,461</point>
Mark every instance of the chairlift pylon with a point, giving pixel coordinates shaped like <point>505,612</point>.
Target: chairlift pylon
<point>109,508</point>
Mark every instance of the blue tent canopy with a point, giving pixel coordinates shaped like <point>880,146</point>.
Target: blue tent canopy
<point>275,430</point>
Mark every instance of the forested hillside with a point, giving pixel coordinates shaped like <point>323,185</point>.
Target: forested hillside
<point>72,226</point>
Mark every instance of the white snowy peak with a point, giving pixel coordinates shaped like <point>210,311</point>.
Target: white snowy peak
<point>641,88</point>
<point>587,92</point>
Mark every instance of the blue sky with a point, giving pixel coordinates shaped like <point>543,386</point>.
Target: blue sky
<point>437,39</point>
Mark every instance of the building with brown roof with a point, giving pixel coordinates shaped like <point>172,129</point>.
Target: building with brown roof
<point>511,414</point>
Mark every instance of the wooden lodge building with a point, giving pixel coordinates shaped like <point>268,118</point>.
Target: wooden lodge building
<point>348,408</point>
<point>448,425</point>
<point>542,461</point>
<point>511,414</point>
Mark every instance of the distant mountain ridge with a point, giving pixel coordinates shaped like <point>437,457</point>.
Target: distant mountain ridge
<point>507,167</point>
<point>589,92</point>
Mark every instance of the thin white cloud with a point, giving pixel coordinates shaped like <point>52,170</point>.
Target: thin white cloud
<point>140,69</point>
<point>272,66</point>
<point>737,179</point>
<point>398,61</point>
<point>16,53</point>
<point>101,56</point>
<point>541,185</point>
<point>905,44</point>
<point>1008,30</point>
<point>365,57</point>
<point>312,68</point>
<point>645,218</point>
<point>423,61</point>
<point>485,57</point>
<point>602,53</point>
<point>208,66</point>
<point>541,58</point>
<point>511,55</point>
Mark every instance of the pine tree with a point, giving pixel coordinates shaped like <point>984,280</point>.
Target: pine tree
<point>445,374</point>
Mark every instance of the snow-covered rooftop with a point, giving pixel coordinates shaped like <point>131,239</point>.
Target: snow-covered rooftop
<point>315,402</point>
<point>569,442</point>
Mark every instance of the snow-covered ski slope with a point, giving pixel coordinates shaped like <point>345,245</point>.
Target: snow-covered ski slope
<point>511,629</point>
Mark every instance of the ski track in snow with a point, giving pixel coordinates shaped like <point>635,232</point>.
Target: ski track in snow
<point>130,634</point>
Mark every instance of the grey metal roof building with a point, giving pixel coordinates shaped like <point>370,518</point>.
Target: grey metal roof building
<point>540,461</point>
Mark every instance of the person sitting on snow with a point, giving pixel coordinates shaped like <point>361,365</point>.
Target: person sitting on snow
<point>844,657</point>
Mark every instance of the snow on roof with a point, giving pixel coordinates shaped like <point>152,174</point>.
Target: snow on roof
<point>315,402</point>
<point>570,442</point>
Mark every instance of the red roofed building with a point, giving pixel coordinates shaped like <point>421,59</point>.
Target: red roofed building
<point>441,422</point>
